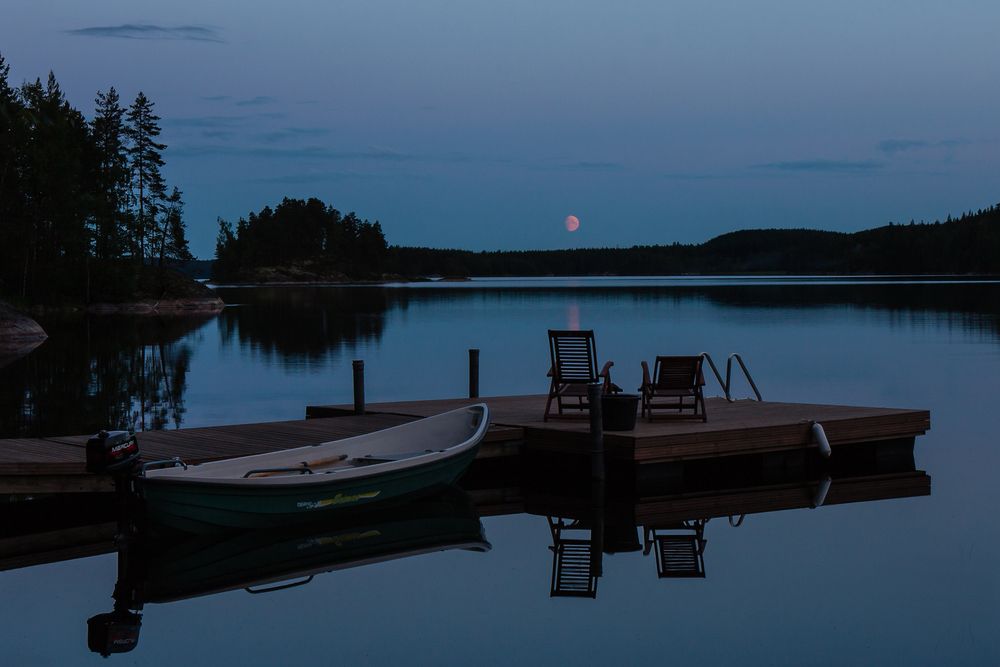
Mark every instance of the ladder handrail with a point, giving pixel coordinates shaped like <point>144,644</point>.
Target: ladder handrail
<point>725,386</point>
<point>746,374</point>
<point>729,374</point>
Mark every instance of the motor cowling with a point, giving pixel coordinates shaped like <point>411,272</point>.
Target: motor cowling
<point>110,451</point>
<point>114,632</point>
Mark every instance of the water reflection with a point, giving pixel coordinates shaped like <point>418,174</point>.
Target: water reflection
<point>100,372</point>
<point>301,324</point>
<point>120,372</point>
<point>665,512</point>
<point>156,565</point>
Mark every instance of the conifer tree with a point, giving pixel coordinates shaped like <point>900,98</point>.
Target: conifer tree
<point>112,177</point>
<point>173,242</point>
<point>147,187</point>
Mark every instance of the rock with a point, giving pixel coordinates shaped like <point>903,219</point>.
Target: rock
<point>19,334</point>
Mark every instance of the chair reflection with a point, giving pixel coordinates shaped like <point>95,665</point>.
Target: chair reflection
<point>679,548</point>
<point>576,563</point>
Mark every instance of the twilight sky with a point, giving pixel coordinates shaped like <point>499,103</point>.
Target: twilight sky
<point>466,123</point>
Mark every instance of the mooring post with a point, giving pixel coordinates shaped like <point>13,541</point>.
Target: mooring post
<point>359,386</point>
<point>473,372</point>
<point>596,431</point>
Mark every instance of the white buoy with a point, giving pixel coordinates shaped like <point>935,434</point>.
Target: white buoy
<point>821,491</point>
<point>819,435</point>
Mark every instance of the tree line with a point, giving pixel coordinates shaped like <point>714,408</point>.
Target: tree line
<point>969,244</point>
<point>84,208</point>
<point>309,240</point>
<point>299,239</point>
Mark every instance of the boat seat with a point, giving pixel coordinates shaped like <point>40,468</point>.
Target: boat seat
<point>368,459</point>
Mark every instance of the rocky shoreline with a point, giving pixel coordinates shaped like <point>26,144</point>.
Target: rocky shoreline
<point>20,334</point>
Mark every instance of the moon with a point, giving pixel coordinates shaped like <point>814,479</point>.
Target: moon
<point>572,223</point>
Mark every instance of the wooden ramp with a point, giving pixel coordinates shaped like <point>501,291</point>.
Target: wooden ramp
<point>733,428</point>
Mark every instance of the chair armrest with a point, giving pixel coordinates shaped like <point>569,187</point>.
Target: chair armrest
<point>646,379</point>
<point>609,387</point>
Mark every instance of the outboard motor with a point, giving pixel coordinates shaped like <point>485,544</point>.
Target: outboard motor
<point>114,632</point>
<point>111,451</point>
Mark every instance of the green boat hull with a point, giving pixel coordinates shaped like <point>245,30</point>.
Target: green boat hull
<point>195,507</point>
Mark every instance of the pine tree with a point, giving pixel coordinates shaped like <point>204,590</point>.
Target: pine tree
<point>147,187</point>
<point>173,242</point>
<point>111,207</point>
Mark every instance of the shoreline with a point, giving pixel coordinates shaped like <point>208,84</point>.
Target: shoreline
<point>20,333</point>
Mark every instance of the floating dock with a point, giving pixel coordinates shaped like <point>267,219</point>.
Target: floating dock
<point>57,464</point>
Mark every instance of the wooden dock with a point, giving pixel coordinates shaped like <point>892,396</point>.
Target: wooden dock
<point>56,464</point>
<point>733,428</point>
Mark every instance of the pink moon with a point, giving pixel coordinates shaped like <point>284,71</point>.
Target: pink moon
<point>572,223</point>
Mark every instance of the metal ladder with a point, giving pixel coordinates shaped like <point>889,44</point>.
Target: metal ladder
<point>727,385</point>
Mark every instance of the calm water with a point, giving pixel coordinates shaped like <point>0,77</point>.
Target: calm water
<point>898,581</point>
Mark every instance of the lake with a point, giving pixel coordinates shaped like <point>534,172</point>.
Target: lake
<point>902,580</point>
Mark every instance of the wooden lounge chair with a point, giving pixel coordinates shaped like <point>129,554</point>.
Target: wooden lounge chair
<point>574,366</point>
<point>675,385</point>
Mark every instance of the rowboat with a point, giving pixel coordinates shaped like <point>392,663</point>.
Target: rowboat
<point>298,484</point>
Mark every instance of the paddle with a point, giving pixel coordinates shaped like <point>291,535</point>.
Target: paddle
<point>317,463</point>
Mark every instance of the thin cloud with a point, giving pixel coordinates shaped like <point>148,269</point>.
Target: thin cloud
<point>204,121</point>
<point>306,152</point>
<point>216,98</point>
<point>292,133</point>
<point>824,166</point>
<point>893,146</point>
<point>217,121</point>
<point>256,101</point>
<point>585,165</point>
<point>192,33</point>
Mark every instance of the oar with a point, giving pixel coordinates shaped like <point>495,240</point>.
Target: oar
<point>317,463</point>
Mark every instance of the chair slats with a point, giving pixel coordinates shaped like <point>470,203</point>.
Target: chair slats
<point>676,387</point>
<point>574,365</point>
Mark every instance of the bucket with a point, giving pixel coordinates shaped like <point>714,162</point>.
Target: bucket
<point>618,411</point>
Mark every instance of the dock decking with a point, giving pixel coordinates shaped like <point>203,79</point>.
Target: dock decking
<point>733,428</point>
<point>57,464</point>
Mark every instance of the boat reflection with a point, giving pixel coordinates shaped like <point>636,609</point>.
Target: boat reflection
<point>159,565</point>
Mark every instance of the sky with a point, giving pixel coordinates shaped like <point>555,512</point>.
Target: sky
<point>482,125</point>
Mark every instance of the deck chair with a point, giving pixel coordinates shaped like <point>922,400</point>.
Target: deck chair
<point>675,385</point>
<point>574,366</point>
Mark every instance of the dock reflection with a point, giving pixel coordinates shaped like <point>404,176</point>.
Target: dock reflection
<point>666,511</point>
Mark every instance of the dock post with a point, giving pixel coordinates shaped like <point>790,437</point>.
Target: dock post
<point>359,386</point>
<point>596,431</point>
<point>473,372</point>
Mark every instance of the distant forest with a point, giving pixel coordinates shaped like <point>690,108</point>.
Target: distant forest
<point>85,213</point>
<point>302,240</point>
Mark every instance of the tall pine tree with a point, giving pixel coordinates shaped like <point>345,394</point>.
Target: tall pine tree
<point>112,166</point>
<point>147,187</point>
